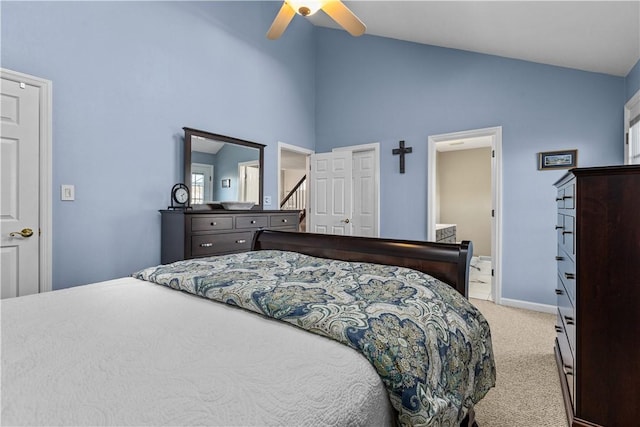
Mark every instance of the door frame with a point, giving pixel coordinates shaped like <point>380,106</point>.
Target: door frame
<point>288,147</point>
<point>45,221</point>
<point>496,183</point>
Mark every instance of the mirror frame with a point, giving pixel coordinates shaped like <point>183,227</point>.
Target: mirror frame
<point>189,132</point>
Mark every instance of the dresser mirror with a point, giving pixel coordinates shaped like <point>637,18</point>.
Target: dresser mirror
<point>219,168</point>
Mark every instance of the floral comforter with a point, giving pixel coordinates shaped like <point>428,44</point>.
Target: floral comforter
<point>430,346</point>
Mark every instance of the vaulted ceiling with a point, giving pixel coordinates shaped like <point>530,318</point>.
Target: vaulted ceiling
<point>598,36</point>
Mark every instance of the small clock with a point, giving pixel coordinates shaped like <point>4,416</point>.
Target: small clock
<point>180,197</point>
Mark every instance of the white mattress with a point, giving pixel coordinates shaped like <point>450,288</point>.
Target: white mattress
<point>128,352</point>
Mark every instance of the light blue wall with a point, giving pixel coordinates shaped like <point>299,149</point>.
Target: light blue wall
<point>227,168</point>
<point>632,81</point>
<point>127,76</point>
<point>372,89</point>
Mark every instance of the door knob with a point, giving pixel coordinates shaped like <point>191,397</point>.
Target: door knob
<point>26,232</point>
<point>346,221</point>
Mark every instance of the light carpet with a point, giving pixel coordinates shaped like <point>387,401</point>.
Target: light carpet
<point>527,391</point>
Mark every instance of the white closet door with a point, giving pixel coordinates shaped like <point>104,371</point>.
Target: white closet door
<point>331,196</point>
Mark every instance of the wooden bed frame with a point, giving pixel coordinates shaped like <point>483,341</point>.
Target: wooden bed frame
<point>446,262</point>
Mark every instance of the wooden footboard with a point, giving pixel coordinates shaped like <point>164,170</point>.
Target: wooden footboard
<point>446,262</point>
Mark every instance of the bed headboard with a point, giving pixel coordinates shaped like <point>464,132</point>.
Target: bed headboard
<point>444,261</point>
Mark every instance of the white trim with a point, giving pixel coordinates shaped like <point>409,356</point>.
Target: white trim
<point>534,306</point>
<point>289,147</point>
<point>375,147</point>
<point>496,177</point>
<point>633,103</point>
<point>45,217</point>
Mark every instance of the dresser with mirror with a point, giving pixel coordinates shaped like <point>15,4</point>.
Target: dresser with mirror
<point>225,178</point>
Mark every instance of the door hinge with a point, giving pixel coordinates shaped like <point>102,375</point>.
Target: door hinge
<point>492,273</point>
<point>493,213</point>
<point>626,138</point>
<point>493,153</point>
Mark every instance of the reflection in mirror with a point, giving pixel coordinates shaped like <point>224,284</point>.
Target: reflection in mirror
<point>222,168</point>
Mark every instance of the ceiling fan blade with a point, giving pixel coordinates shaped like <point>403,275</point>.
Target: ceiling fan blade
<point>281,22</point>
<point>343,16</point>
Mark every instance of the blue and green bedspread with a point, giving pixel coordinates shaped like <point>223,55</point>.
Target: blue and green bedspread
<point>430,346</point>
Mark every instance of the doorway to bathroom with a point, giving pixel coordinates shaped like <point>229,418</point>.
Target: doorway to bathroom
<point>465,202</point>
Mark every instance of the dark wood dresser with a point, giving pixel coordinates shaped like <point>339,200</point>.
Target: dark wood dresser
<point>199,233</point>
<point>598,326</point>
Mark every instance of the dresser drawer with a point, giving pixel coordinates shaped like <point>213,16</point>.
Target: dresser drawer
<point>214,244</point>
<point>569,196</point>
<point>283,220</point>
<point>566,233</point>
<point>248,221</point>
<point>560,198</point>
<point>211,223</point>
<point>566,356</point>
<point>563,340</point>
<point>567,273</point>
<point>566,312</point>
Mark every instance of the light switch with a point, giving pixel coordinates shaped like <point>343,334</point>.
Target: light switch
<point>67,192</point>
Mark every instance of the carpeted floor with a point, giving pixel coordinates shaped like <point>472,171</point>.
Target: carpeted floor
<point>527,391</point>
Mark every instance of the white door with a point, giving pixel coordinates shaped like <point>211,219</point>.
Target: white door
<point>331,183</point>
<point>364,194</point>
<point>19,178</point>
<point>249,185</point>
<point>201,183</point>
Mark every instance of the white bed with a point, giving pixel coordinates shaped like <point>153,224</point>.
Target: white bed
<point>384,343</point>
<point>95,355</point>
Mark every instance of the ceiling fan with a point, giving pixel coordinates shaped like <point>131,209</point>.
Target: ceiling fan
<point>334,8</point>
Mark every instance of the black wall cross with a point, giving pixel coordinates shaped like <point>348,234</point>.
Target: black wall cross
<point>402,150</point>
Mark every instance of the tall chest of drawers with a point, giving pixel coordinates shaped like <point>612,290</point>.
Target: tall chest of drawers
<point>200,233</point>
<point>598,326</point>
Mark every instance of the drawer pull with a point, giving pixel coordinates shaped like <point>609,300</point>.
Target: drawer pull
<point>206,245</point>
<point>253,221</point>
<point>570,276</point>
<point>284,220</point>
<point>241,241</point>
<point>569,320</point>
<point>559,258</point>
<point>559,292</point>
<point>559,328</point>
<point>214,223</point>
<point>559,199</point>
<point>567,197</point>
<point>567,232</point>
<point>559,227</point>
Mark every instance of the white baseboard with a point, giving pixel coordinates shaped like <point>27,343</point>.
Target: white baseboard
<point>544,308</point>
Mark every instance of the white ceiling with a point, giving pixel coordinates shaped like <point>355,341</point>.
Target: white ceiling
<point>205,145</point>
<point>598,36</point>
